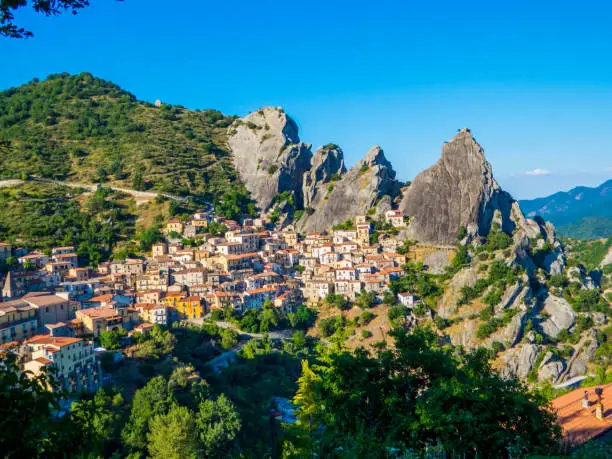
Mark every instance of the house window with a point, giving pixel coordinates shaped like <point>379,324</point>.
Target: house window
<point>47,309</point>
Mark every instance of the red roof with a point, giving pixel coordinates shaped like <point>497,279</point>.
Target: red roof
<point>580,424</point>
<point>57,341</point>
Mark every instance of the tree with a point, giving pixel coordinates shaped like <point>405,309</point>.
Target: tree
<point>47,7</point>
<point>138,181</point>
<point>95,420</point>
<point>26,406</point>
<point>149,237</point>
<point>153,399</point>
<point>298,340</point>
<point>366,299</point>
<point>173,435</point>
<point>218,425</point>
<point>302,318</point>
<point>111,339</point>
<point>416,394</point>
<point>269,317</point>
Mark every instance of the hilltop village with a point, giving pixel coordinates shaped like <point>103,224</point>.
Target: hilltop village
<point>53,307</point>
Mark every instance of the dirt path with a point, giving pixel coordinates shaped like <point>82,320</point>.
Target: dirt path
<point>140,196</point>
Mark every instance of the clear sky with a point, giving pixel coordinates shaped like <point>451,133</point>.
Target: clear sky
<point>532,80</point>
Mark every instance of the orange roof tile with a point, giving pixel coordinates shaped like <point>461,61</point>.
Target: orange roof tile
<point>579,424</point>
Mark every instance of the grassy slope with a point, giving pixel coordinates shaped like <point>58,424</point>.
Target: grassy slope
<point>84,129</point>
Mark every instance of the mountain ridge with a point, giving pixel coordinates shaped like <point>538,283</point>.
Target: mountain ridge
<point>582,212</point>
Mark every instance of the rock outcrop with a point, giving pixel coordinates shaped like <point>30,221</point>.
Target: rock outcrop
<point>357,191</point>
<point>326,167</point>
<point>519,361</point>
<point>269,155</point>
<point>551,368</point>
<point>459,190</point>
<point>561,315</point>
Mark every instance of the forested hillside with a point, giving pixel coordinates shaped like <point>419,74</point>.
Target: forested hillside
<point>581,213</point>
<point>87,130</point>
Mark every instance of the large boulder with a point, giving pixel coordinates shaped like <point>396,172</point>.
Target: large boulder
<point>561,315</point>
<point>519,361</point>
<point>269,155</point>
<point>459,190</point>
<point>356,192</point>
<point>447,306</point>
<point>551,368</point>
<point>511,333</point>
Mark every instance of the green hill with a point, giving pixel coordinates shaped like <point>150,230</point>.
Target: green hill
<point>582,212</point>
<point>83,129</point>
<point>587,228</point>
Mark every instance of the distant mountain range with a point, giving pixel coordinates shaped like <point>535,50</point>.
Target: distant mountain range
<point>582,212</point>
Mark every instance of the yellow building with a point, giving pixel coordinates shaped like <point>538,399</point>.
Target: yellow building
<point>17,321</point>
<point>175,225</point>
<point>190,307</point>
<point>97,320</point>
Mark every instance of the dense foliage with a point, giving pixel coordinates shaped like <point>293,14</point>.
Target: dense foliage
<point>418,394</point>
<point>42,216</point>
<point>84,129</point>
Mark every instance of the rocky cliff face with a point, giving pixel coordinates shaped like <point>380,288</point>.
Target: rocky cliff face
<point>459,190</point>
<point>269,155</point>
<point>326,167</point>
<point>354,193</point>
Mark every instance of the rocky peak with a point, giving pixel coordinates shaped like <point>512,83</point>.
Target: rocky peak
<point>269,155</point>
<point>354,193</point>
<point>327,165</point>
<point>459,190</point>
<point>376,156</point>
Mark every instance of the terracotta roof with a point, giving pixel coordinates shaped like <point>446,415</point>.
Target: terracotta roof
<point>102,298</point>
<point>101,311</point>
<point>57,341</point>
<point>580,425</point>
<point>43,360</point>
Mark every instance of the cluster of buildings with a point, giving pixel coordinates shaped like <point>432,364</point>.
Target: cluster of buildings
<point>55,306</point>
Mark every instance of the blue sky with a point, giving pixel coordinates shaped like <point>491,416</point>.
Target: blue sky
<point>532,82</point>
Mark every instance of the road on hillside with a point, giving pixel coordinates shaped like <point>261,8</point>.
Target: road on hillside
<point>143,195</point>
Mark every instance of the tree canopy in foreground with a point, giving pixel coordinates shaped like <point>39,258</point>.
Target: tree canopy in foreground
<point>416,395</point>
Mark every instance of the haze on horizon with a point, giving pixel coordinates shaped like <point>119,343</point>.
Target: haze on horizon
<point>532,82</point>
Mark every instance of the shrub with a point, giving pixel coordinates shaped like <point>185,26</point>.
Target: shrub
<point>366,334</point>
<point>397,312</point>
<point>420,310</point>
<point>441,323</point>
<point>365,318</point>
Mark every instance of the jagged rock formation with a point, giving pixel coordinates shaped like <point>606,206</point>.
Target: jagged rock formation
<point>578,274</point>
<point>459,190</point>
<point>511,333</point>
<point>269,155</point>
<point>326,166</point>
<point>357,191</point>
<point>271,159</point>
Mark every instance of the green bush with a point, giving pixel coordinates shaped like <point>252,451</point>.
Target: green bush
<point>366,334</point>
